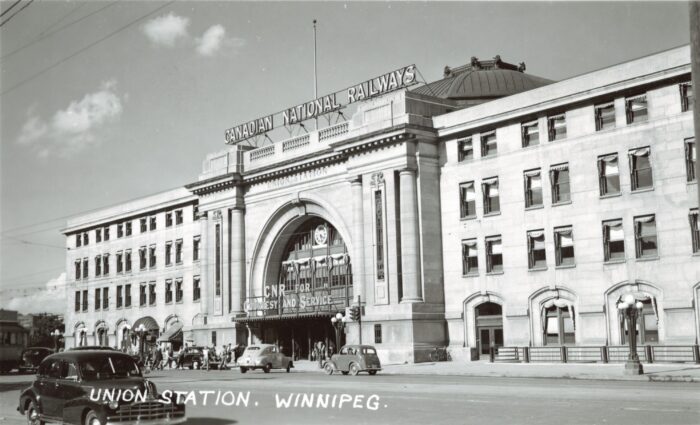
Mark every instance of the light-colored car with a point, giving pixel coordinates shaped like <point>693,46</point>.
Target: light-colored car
<point>265,357</point>
<point>354,359</point>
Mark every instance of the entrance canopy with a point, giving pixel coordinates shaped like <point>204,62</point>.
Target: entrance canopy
<point>148,322</point>
<point>285,316</point>
<point>174,333</point>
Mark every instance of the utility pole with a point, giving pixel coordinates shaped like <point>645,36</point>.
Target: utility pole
<point>315,74</point>
<point>694,12</point>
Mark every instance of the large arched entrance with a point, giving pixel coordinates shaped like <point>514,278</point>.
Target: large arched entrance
<point>489,327</point>
<point>308,281</point>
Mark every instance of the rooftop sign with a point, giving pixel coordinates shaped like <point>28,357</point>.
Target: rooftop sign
<point>398,79</point>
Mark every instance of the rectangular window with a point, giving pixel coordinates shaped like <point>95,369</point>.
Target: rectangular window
<point>127,260</point>
<point>467,200</point>
<point>533,188</point>
<point>144,224</point>
<point>168,253</point>
<point>465,149</point>
<point>98,235</point>
<point>178,217</point>
<point>77,269</point>
<point>636,109</point>
<point>608,175</point>
<point>379,232</point>
<point>605,116</point>
<point>120,299</point>
<point>559,178</point>
<point>142,295</point>
<point>85,268</point>
<point>85,300</point>
<point>564,246</point>
<point>178,251</point>
<point>168,291</point>
<point>178,290</point>
<point>470,259</point>
<point>120,262</point>
<point>120,230</point>
<point>106,233</point>
<point>77,300</point>
<point>489,190</point>
<point>530,133</point>
<point>105,298</point>
<point>127,228</point>
<point>217,263</point>
<point>105,264</point>
<point>152,256</point>
<point>168,219</point>
<point>489,146</point>
<point>98,299</point>
<point>494,254</point>
<point>213,338</point>
<point>640,168</point>
<point>613,240</point>
<point>556,127</point>
<point>86,238</point>
<point>695,229</point>
<point>78,240</point>
<point>98,266</point>
<point>687,96</point>
<point>691,157</point>
<point>196,290</point>
<point>536,257</point>
<point>142,258</point>
<point>152,293</point>
<point>377,333</point>
<point>152,223</point>
<point>645,236</point>
<point>127,295</point>
<point>195,248</point>
<point>195,213</point>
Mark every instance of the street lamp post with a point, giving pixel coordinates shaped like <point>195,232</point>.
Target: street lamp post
<point>630,308</point>
<point>141,333</point>
<point>56,334</point>
<point>338,324</point>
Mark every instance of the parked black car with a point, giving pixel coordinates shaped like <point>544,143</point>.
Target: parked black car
<point>32,357</point>
<point>136,357</point>
<point>66,383</point>
<point>192,356</point>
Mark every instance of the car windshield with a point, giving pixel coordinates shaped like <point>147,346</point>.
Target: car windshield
<point>109,367</point>
<point>33,352</point>
<point>252,349</point>
<point>368,350</point>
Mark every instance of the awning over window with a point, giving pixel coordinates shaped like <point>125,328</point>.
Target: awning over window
<point>560,167</point>
<point>174,333</point>
<point>640,152</point>
<point>148,322</point>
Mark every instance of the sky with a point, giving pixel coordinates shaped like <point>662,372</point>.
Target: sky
<point>106,101</point>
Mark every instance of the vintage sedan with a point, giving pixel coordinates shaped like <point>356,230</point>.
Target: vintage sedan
<point>94,387</point>
<point>354,359</point>
<point>265,357</point>
<point>32,357</point>
<point>193,357</point>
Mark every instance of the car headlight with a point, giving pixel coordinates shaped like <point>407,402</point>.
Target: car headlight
<point>114,404</point>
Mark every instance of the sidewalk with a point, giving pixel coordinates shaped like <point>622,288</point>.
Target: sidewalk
<point>666,372</point>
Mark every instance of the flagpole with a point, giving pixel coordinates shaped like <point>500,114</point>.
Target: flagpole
<point>315,77</point>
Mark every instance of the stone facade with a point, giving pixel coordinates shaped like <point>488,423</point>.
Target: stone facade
<point>386,183</point>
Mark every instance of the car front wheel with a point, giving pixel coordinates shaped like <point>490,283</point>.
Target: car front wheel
<point>354,369</point>
<point>372,372</point>
<point>329,369</point>
<point>244,369</point>
<point>267,368</point>
<point>32,414</point>
<point>91,418</point>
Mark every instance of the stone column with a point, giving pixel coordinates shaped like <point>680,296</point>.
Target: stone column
<point>357,259</point>
<point>238,263</point>
<point>206,256</point>
<point>225,261</point>
<point>410,238</point>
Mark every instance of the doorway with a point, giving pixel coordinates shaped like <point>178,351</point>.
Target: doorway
<point>489,327</point>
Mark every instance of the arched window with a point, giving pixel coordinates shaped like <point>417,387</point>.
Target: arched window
<point>558,324</point>
<point>647,325</point>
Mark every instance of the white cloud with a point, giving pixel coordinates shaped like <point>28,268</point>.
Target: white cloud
<point>211,40</point>
<point>51,299</point>
<point>165,30</point>
<point>75,127</point>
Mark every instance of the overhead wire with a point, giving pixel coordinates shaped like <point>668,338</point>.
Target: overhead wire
<point>10,8</point>
<point>15,14</point>
<point>45,34</point>
<point>89,46</point>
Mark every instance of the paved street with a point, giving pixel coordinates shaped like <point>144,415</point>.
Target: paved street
<point>415,399</point>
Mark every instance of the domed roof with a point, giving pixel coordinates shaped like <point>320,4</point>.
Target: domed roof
<point>482,80</point>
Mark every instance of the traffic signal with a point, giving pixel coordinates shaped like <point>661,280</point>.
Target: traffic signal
<point>355,313</point>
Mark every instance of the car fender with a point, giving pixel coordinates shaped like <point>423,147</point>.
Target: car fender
<point>28,394</point>
<point>73,410</point>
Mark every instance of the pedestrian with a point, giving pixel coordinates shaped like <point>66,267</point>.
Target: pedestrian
<point>157,359</point>
<point>180,357</point>
<point>205,358</point>
<point>320,352</point>
<point>171,357</point>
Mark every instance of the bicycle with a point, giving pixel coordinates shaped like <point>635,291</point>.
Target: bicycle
<point>440,354</point>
